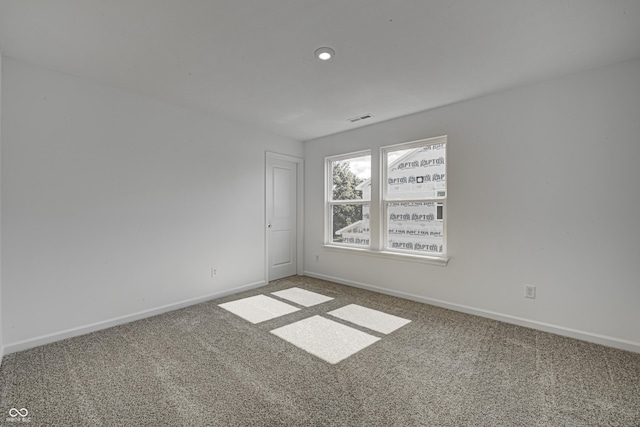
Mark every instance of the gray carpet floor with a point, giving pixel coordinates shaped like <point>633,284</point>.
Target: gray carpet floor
<point>204,366</point>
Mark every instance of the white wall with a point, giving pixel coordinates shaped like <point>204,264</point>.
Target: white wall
<point>114,204</point>
<point>543,190</point>
<point>1,340</point>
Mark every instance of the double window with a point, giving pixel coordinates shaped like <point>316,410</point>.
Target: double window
<point>400,208</point>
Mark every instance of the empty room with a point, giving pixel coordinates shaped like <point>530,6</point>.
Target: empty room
<point>320,213</point>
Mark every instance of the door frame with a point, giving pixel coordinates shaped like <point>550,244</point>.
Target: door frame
<point>299,211</point>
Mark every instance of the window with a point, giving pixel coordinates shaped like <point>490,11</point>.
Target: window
<point>348,202</point>
<point>405,214</point>
<point>414,196</point>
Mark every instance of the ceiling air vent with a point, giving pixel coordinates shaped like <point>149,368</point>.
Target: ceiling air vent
<point>358,118</point>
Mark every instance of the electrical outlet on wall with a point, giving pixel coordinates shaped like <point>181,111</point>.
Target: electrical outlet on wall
<point>530,291</point>
<point>214,271</point>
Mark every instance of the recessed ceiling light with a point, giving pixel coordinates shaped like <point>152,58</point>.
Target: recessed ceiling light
<point>324,53</point>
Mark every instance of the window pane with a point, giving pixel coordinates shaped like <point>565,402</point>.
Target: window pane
<point>417,173</point>
<point>352,179</point>
<point>351,224</point>
<point>415,227</point>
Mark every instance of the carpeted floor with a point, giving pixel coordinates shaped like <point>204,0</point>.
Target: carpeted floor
<point>205,366</point>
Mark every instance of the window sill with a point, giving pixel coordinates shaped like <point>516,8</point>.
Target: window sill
<point>434,260</point>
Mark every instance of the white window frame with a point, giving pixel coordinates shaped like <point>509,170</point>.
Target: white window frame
<point>330,203</point>
<point>386,200</point>
<point>378,206</point>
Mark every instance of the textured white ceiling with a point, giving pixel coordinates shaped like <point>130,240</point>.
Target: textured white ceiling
<point>252,60</point>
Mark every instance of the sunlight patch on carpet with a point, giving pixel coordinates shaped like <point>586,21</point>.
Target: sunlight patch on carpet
<point>302,296</point>
<point>330,341</point>
<point>259,308</point>
<point>369,318</point>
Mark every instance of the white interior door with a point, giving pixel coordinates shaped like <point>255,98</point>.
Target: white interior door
<point>282,225</point>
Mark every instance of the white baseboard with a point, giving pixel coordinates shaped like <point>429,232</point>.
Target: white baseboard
<point>533,324</point>
<point>81,330</point>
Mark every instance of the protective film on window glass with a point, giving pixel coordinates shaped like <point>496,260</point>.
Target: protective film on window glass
<point>417,173</point>
<point>351,224</point>
<point>416,227</point>
<point>351,179</point>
